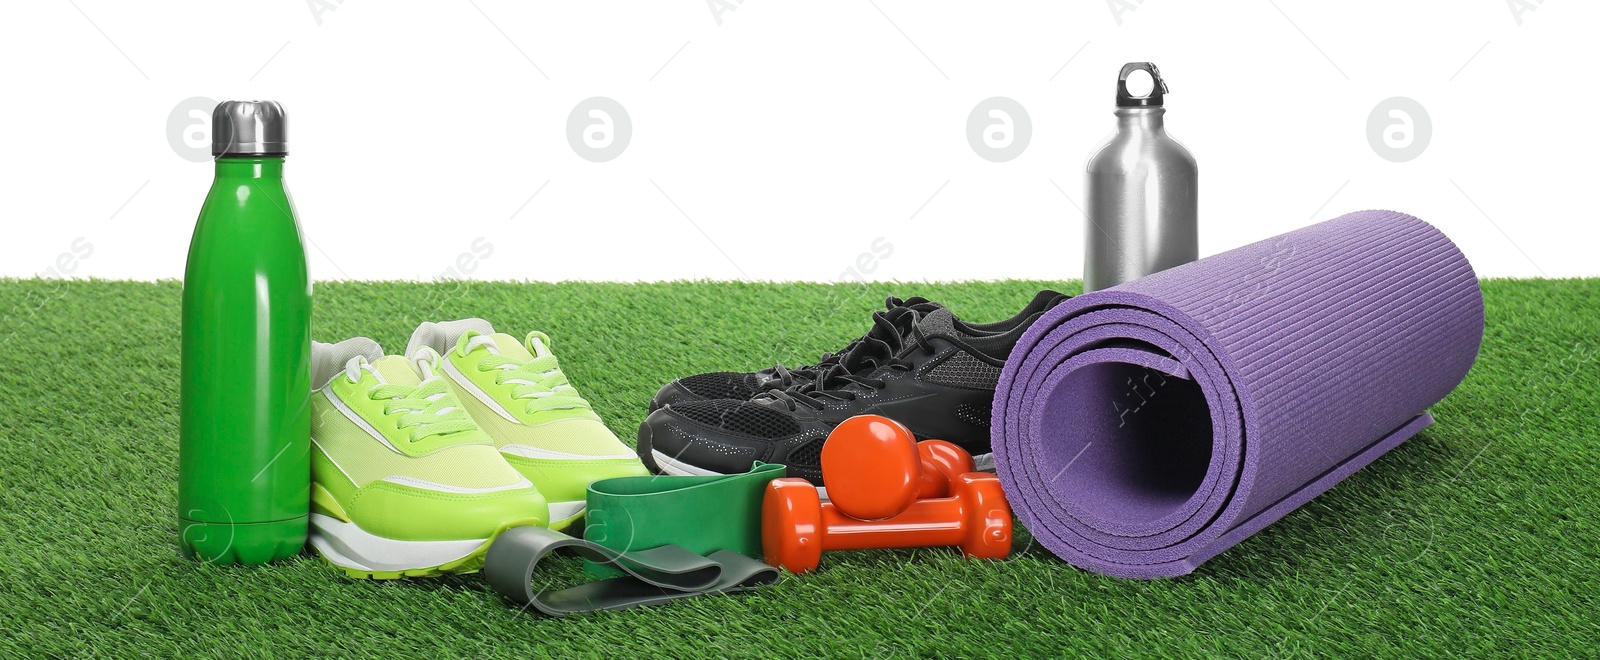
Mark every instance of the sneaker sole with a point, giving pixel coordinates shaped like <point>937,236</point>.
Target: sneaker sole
<point>366,556</point>
<point>563,514</point>
<point>669,465</point>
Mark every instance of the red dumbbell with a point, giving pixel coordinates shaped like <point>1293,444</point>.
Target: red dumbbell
<point>875,471</point>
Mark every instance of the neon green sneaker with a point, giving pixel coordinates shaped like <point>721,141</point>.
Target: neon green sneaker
<point>404,484</point>
<point>517,393</point>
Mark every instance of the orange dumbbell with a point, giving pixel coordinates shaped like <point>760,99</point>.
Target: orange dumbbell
<point>887,491</point>
<point>876,468</point>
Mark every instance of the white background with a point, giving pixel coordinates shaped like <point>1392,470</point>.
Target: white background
<point>790,134</point>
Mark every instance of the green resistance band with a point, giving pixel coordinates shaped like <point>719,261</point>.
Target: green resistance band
<point>654,539</point>
<point>650,576</point>
<point>701,514</point>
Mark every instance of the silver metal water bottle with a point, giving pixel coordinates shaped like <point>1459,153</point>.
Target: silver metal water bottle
<point>1141,190</point>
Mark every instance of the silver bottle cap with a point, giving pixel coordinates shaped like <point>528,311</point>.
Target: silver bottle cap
<point>251,128</point>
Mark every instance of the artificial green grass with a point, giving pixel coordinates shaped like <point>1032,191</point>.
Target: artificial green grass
<point>1479,536</point>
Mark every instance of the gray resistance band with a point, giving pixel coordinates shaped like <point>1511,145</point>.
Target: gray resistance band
<point>654,576</point>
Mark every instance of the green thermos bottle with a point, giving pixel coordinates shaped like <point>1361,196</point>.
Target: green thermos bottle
<point>244,476</point>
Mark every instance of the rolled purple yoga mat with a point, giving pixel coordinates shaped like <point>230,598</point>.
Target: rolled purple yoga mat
<point>1142,429</point>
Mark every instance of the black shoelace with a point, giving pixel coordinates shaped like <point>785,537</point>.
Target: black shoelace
<point>785,378</point>
<point>894,334</point>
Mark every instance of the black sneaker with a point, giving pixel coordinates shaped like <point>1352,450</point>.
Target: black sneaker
<point>918,369</point>
<point>743,385</point>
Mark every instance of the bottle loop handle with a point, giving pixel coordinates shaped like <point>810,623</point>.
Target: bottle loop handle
<point>1158,87</point>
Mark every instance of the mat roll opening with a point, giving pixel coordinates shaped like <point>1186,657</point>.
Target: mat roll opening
<point>1136,453</point>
